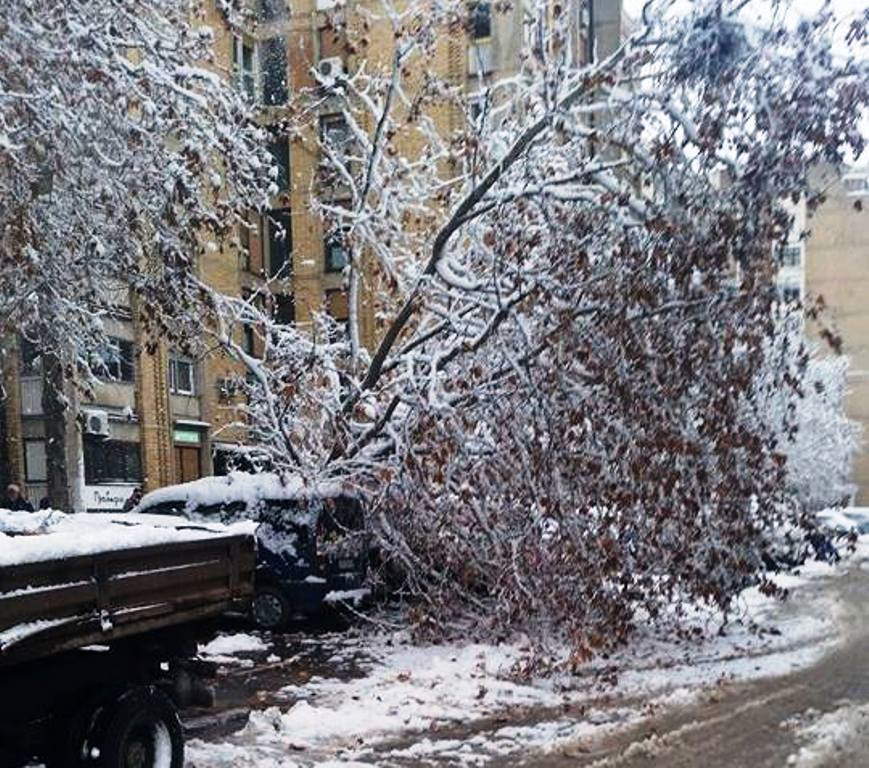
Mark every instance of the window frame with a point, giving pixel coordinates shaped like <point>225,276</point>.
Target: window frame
<point>279,149</point>
<point>286,269</point>
<point>174,387</point>
<point>329,246</point>
<point>478,19</point>
<point>248,338</point>
<point>122,370</point>
<point>790,293</point>
<point>28,468</point>
<point>267,12</point>
<point>273,52</point>
<point>245,79</point>
<point>94,448</point>
<point>334,118</point>
<point>788,260</point>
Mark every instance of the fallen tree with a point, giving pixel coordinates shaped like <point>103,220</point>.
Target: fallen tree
<point>562,422</point>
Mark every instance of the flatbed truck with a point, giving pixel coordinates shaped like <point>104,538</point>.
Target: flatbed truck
<point>98,652</point>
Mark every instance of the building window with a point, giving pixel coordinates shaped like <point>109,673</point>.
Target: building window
<point>249,341</point>
<point>244,244</point>
<point>336,253</point>
<point>269,10</point>
<point>790,293</point>
<point>284,309</point>
<point>335,134</point>
<point>182,378</point>
<point>481,21</point>
<point>478,107</point>
<point>31,358</point>
<point>273,60</point>
<point>114,361</point>
<point>111,461</point>
<point>243,58</point>
<point>280,152</point>
<point>280,243</point>
<point>35,465</point>
<point>790,255</point>
<point>855,185</point>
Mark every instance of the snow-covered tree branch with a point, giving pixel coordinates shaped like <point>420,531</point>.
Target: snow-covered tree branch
<point>125,155</point>
<point>575,293</point>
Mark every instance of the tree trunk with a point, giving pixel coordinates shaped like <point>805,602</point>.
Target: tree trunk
<point>54,407</point>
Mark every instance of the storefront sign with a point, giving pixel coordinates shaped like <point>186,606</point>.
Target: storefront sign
<point>106,498</point>
<point>186,436</point>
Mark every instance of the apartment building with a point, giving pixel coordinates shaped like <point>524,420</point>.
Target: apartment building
<point>836,267</point>
<point>826,256</point>
<point>160,417</point>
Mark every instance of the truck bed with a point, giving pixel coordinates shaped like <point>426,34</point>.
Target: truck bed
<point>50,606</point>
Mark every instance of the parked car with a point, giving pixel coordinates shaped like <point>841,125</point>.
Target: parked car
<point>311,542</point>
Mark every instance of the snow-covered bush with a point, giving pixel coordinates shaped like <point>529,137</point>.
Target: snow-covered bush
<point>813,431</point>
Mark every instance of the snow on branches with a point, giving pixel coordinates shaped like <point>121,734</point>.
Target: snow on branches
<point>574,293</point>
<point>124,157</point>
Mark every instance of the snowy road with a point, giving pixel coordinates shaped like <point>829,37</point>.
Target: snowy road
<point>796,695</point>
<point>813,718</point>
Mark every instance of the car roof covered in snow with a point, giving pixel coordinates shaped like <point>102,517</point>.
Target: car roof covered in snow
<point>241,487</point>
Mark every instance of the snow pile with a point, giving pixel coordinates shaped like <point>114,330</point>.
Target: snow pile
<point>834,738</point>
<point>27,537</point>
<point>412,689</point>
<point>229,644</point>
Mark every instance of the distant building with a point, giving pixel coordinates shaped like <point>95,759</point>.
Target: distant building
<point>836,267</point>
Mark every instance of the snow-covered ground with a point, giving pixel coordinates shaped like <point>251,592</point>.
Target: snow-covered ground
<point>463,704</point>
<point>836,735</point>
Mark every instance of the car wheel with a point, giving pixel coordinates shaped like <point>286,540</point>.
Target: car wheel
<point>270,608</point>
<point>142,731</point>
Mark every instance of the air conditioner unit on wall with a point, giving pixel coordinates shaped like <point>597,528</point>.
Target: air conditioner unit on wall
<point>331,68</point>
<point>96,423</point>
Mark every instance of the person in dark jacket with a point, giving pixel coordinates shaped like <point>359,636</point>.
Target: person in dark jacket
<point>133,501</point>
<point>14,500</point>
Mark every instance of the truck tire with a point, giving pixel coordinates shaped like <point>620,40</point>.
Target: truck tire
<point>270,608</point>
<point>72,736</point>
<point>142,730</point>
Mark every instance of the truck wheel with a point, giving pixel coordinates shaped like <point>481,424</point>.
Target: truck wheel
<point>142,731</point>
<point>72,737</point>
<point>270,608</point>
